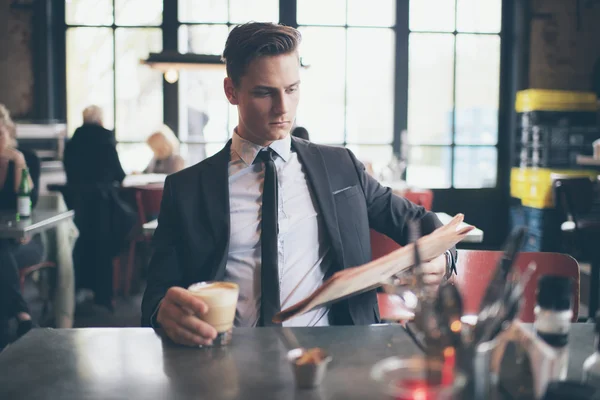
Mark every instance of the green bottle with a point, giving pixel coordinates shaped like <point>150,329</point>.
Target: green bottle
<point>24,196</point>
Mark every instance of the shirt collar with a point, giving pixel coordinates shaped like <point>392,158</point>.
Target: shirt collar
<point>248,150</point>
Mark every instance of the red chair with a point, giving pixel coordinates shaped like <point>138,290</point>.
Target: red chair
<point>24,272</point>
<point>147,200</point>
<point>390,307</point>
<point>382,245</point>
<point>476,267</point>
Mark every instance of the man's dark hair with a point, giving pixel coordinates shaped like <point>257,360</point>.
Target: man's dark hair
<point>256,39</point>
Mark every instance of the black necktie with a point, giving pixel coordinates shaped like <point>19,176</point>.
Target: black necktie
<point>269,273</point>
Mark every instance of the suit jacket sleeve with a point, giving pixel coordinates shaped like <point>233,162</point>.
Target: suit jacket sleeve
<point>165,269</point>
<point>390,214</point>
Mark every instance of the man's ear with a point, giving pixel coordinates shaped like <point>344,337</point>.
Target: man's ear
<point>230,91</point>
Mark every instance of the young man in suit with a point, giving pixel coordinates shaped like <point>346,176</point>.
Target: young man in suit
<point>277,215</point>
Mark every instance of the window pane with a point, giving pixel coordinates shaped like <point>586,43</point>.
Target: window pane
<point>139,88</point>
<point>194,153</point>
<point>321,109</point>
<point>138,12</point>
<point>89,12</point>
<point>370,93</point>
<point>241,11</point>
<point>430,77</point>
<point>477,88</point>
<point>375,156</point>
<point>134,157</point>
<point>202,11</point>
<point>319,12</point>
<point>479,16</point>
<point>429,167</point>
<point>372,13</point>
<point>203,107</point>
<point>203,39</point>
<point>475,167</point>
<point>89,74</point>
<point>431,15</point>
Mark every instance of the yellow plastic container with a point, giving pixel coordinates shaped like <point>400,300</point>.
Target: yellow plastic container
<point>555,100</point>
<point>534,185</point>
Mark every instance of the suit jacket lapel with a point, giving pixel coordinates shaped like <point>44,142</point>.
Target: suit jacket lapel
<point>316,171</point>
<point>215,189</point>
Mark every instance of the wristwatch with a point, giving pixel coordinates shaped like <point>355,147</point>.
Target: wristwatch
<point>450,265</point>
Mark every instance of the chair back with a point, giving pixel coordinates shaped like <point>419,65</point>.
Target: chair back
<point>476,268</point>
<point>381,244</point>
<point>148,199</point>
<point>421,197</point>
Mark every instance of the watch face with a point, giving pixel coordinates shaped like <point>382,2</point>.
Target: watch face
<point>449,266</point>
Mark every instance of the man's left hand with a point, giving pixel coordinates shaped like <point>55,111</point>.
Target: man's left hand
<point>434,270</point>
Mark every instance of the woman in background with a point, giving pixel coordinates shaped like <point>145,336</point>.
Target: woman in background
<point>13,254</point>
<point>165,146</point>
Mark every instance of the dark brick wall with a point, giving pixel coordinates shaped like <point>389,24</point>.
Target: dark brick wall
<point>16,65</point>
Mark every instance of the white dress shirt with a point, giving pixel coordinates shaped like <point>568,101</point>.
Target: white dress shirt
<point>304,252</point>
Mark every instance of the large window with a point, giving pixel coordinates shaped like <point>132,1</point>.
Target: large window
<point>348,89</point>
<point>206,119</point>
<point>351,91</point>
<point>453,93</point>
<point>105,41</point>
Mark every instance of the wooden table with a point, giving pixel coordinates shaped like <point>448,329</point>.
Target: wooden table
<point>39,221</point>
<point>134,363</point>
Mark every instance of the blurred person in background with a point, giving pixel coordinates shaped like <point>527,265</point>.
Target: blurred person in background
<point>300,132</point>
<point>91,155</point>
<point>165,146</point>
<point>15,254</point>
<point>94,175</point>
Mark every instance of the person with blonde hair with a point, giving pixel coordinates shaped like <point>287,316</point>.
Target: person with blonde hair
<point>165,146</point>
<point>15,254</point>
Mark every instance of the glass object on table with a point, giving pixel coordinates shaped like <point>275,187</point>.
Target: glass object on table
<point>221,299</point>
<point>406,379</point>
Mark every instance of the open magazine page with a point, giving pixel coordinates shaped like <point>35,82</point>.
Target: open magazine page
<point>356,280</point>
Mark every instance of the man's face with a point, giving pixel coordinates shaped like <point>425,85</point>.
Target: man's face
<point>267,97</point>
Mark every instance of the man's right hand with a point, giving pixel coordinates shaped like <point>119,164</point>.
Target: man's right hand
<point>178,317</point>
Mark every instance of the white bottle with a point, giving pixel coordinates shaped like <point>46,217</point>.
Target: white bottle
<point>553,319</point>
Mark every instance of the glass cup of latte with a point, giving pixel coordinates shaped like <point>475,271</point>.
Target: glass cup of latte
<point>221,299</point>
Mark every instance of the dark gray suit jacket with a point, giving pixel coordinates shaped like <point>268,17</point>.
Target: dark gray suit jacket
<point>192,239</point>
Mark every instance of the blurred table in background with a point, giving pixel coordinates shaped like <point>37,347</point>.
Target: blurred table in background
<point>39,221</point>
<point>588,160</point>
